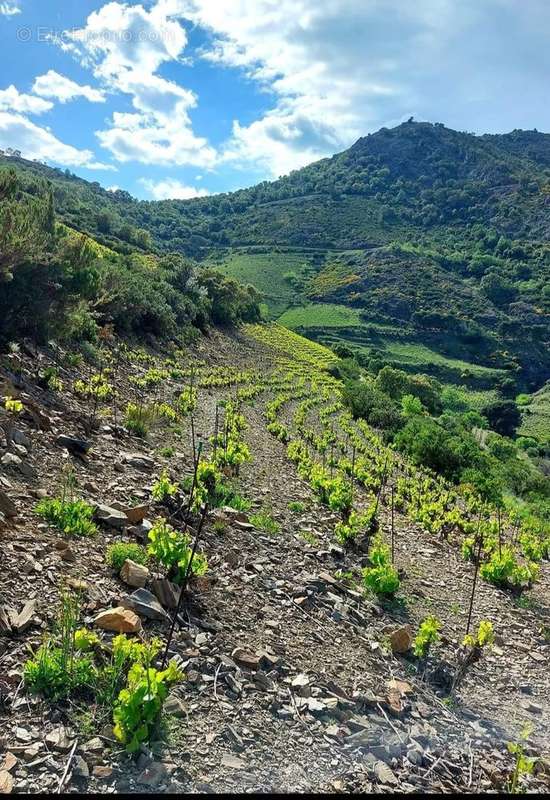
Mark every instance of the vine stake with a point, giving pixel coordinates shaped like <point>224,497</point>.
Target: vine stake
<point>478,561</point>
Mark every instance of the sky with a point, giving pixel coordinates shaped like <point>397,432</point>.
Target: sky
<point>185,98</point>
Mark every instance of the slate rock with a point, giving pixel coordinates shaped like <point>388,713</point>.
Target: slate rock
<point>167,592</point>
<point>146,605</point>
<point>112,517</point>
<point>7,506</point>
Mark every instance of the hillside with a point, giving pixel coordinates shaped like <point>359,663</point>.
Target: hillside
<point>295,678</point>
<point>440,240</point>
<point>237,560</point>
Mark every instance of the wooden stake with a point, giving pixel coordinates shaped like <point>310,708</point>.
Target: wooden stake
<point>477,563</point>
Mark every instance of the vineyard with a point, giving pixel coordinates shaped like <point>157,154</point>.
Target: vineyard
<point>306,609</point>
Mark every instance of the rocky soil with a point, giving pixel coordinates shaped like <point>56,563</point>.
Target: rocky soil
<point>294,681</point>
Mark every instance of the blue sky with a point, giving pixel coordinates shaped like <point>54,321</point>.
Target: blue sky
<point>181,98</point>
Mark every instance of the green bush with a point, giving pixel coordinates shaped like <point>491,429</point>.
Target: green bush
<point>381,578</point>
<point>119,552</point>
<point>163,488</point>
<point>428,634</point>
<point>139,704</point>
<point>138,418</point>
<point>73,517</point>
<point>58,667</point>
<point>366,401</point>
<point>172,549</point>
<point>502,569</point>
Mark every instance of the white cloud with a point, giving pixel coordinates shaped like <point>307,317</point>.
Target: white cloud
<point>113,188</point>
<point>333,70</point>
<point>315,61</point>
<point>125,46</point>
<point>337,69</point>
<point>12,100</point>
<point>40,143</point>
<point>172,189</point>
<point>61,88</point>
<point>9,9</point>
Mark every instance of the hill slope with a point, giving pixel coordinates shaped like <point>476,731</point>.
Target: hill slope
<point>440,236</point>
<point>291,683</point>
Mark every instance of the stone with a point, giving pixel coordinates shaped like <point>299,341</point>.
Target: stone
<point>533,708</point>
<point>133,574</point>
<point>153,775</point>
<point>139,461</point>
<point>59,740</point>
<point>9,763</point>
<point>78,447</point>
<point>244,526</point>
<point>11,461</point>
<point>26,618</point>
<point>384,774</point>
<point>112,517</point>
<point>7,506</point>
<point>415,757</point>
<point>146,605</point>
<point>102,772</point>
<point>67,554</point>
<point>121,620</point>
<point>80,768</point>
<point>401,639</point>
<point>94,745</point>
<point>6,782</point>
<point>21,438</point>
<point>167,592</point>
<point>141,531</point>
<point>245,658</point>
<point>23,735</point>
<point>232,762</point>
<point>136,514</point>
<point>300,684</point>
<point>175,706</point>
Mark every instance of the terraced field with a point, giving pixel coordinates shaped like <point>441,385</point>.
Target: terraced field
<point>536,415</point>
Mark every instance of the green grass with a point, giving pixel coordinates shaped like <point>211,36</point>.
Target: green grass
<point>325,315</point>
<point>418,355</point>
<point>266,272</point>
<point>265,522</point>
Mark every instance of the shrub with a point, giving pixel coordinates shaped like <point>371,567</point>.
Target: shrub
<point>503,416</point>
<point>428,634</point>
<point>55,669</point>
<point>172,549</point>
<point>163,488</point>
<point>484,636</point>
<point>347,532</point>
<point>502,569</point>
<point>366,401</point>
<point>382,577</point>
<point>140,703</point>
<point>54,674</point>
<point>138,418</point>
<point>85,640</point>
<point>73,517</point>
<point>119,552</point>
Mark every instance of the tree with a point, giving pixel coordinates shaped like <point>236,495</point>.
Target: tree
<point>503,416</point>
<point>498,289</point>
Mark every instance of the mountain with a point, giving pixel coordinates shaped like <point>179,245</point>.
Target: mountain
<point>421,246</point>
